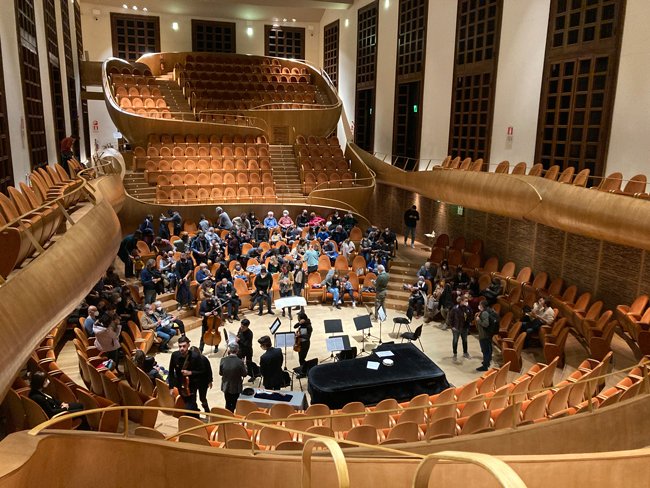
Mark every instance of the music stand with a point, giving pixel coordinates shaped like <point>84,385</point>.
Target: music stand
<point>285,339</point>
<point>332,326</point>
<point>363,323</point>
<point>381,316</point>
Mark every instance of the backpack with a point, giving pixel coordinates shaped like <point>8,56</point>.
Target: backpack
<point>493,319</point>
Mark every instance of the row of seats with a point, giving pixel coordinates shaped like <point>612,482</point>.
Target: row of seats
<point>185,74</point>
<point>240,62</point>
<point>324,152</point>
<point>231,193</point>
<point>33,209</point>
<point>635,322</point>
<point>196,150</point>
<point>120,89</point>
<point>128,101</point>
<point>485,404</point>
<point>323,164</point>
<point>132,79</point>
<point>311,141</point>
<point>250,100</point>
<point>242,177</point>
<point>152,113</point>
<point>205,165</point>
<point>238,85</point>
<point>211,66</point>
<point>321,179</point>
<point>635,186</point>
<point>179,139</point>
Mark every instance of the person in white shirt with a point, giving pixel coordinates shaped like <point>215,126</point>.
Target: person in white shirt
<point>541,314</point>
<point>107,336</point>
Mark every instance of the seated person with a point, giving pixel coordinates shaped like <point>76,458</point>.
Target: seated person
<point>329,249</point>
<point>390,239</point>
<point>302,220</point>
<point>444,273</point>
<point>315,220</point>
<point>346,287</point>
<point>149,365</point>
<point>161,246</point>
<point>460,280</point>
<point>50,405</point>
<point>492,291</point>
<point>541,314</point>
<point>263,290</point>
<point>418,296</point>
<point>322,234</point>
<point>239,272</point>
<point>270,222</point>
<point>215,253</point>
<point>228,296</point>
<point>335,219</point>
<point>339,235</point>
<point>166,268</point>
<point>274,264</point>
<point>150,321</point>
<point>204,274</point>
<point>285,221</point>
<point>332,283</point>
<point>426,271</point>
<point>167,319</point>
<point>348,222</point>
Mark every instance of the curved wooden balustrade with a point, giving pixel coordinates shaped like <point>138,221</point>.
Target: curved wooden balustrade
<point>594,214</point>
<point>317,120</point>
<point>136,128</point>
<point>36,298</point>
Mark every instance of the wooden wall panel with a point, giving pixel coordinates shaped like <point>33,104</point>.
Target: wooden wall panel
<point>613,273</point>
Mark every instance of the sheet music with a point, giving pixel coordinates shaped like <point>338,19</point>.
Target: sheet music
<point>285,339</point>
<point>335,344</point>
<point>373,365</point>
<point>384,354</point>
<point>381,314</point>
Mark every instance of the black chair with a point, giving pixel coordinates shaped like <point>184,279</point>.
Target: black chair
<point>348,354</point>
<point>414,336</point>
<point>302,371</point>
<point>406,321</point>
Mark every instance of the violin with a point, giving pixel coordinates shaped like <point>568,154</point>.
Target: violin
<point>185,387</point>
<point>297,343</point>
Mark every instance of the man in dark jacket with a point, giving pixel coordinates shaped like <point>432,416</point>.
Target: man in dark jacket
<point>271,364</point>
<point>411,217</point>
<point>263,283</point>
<point>204,382</point>
<point>459,321</point>
<point>245,343</point>
<point>232,372</point>
<point>128,244</point>
<point>185,370</point>
<point>484,335</point>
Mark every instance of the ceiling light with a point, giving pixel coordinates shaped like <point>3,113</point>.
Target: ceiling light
<point>386,4</point>
<point>284,20</point>
<point>293,20</point>
<point>124,5</point>
<point>249,31</point>
<point>135,7</point>
<point>347,22</point>
<point>145,9</point>
<point>174,26</point>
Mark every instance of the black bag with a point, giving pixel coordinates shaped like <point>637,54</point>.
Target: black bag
<point>255,369</point>
<point>286,379</point>
<point>494,319</point>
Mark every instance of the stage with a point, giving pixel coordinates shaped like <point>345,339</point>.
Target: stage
<point>412,374</point>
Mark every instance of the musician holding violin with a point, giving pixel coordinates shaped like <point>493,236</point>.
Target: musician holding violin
<point>185,372</point>
<point>210,311</point>
<point>303,337</point>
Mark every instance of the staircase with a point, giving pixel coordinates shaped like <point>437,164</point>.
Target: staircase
<point>285,173</point>
<point>174,97</point>
<point>401,273</point>
<point>137,187</point>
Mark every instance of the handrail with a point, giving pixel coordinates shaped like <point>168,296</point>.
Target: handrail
<point>504,474</point>
<point>222,419</point>
<point>247,119</point>
<point>338,457</point>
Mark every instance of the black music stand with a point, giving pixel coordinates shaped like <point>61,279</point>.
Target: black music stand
<point>332,326</point>
<point>363,323</point>
<point>285,339</point>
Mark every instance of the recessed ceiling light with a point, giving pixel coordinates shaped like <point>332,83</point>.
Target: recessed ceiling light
<point>175,26</point>
<point>135,7</point>
<point>124,5</point>
<point>145,9</point>
<point>293,20</point>
<point>284,20</point>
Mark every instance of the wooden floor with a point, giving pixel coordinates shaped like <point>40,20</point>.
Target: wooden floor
<point>436,342</point>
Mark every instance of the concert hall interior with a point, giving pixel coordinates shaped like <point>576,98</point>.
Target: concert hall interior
<point>506,166</point>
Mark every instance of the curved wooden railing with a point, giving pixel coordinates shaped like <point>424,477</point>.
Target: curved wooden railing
<point>36,298</point>
<point>136,128</point>
<point>577,210</point>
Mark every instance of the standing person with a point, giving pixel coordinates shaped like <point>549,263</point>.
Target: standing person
<point>175,218</point>
<point>93,313</point>
<point>184,372</point>
<point>486,319</point>
<point>183,271</point>
<point>207,309</point>
<point>263,283</point>
<point>232,372</point>
<point>303,334</point>
<point>150,277</point>
<point>298,279</point>
<point>411,217</point>
<point>223,219</point>
<point>67,152</point>
<point>285,283</point>
<point>311,258</point>
<point>245,343</point>
<point>204,382</point>
<point>459,320</point>
<point>381,288</point>
<point>127,246</point>
<point>271,364</point>
<point>107,336</point>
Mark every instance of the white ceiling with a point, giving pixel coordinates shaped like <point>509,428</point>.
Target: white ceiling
<point>262,10</point>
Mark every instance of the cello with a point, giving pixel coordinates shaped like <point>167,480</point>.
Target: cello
<point>212,335</point>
